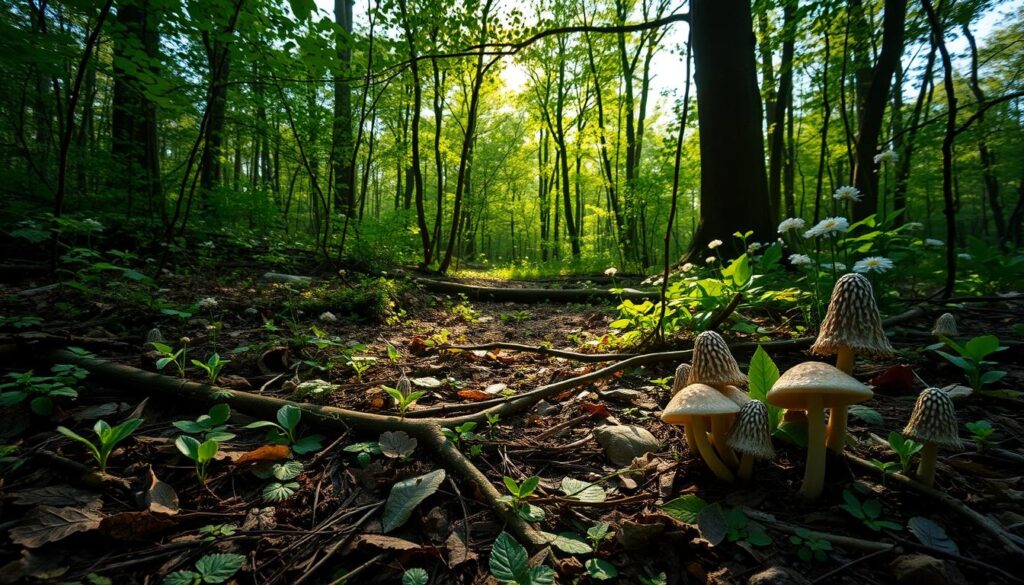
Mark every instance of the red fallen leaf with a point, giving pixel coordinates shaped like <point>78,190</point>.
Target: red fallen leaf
<point>899,378</point>
<point>377,402</point>
<point>417,344</point>
<point>474,395</point>
<point>135,525</point>
<point>596,409</point>
<point>265,453</point>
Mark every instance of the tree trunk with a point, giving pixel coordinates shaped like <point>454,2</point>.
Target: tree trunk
<point>778,116</point>
<point>344,169</point>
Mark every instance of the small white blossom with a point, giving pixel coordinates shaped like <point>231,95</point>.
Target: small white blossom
<point>792,223</point>
<point>328,317</point>
<point>872,264</point>
<point>687,267</point>
<point>207,303</point>
<point>838,266</point>
<point>933,243</point>
<point>92,225</point>
<point>965,256</point>
<point>710,260</point>
<point>827,227</point>
<point>658,281</point>
<point>714,244</point>
<point>915,226</point>
<point>612,271</point>
<point>208,244</point>
<point>888,156</point>
<point>799,259</point>
<point>847,193</point>
<point>754,247</point>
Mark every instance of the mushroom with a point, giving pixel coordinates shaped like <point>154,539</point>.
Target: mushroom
<point>714,365</point>
<point>811,387</point>
<point>679,381</point>
<point>852,325</point>
<point>945,326</point>
<point>933,423</point>
<point>738,396</point>
<point>688,408</point>
<point>751,436</point>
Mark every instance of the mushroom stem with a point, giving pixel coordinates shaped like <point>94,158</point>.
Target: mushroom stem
<point>691,441</point>
<point>814,471</point>
<point>845,359</point>
<point>746,467</point>
<point>720,426</point>
<point>707,452</point>
<point>836,440</point>
<point>926,468</point>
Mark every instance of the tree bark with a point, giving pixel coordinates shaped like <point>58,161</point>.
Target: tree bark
<point>344,163</point>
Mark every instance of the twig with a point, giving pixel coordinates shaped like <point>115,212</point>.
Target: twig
<point>842,541</point>
<point>542,350</point>
<point>358,570</point>
<point>721,317</point>
<point>849,564</point>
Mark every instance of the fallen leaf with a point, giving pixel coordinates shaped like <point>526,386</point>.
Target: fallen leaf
<point>474,395</point>
<point>596,409</point>
<point>495,388</point>
<point>260,519</point>
<point>49,524</point>
<point>426,382</point>
<point>234,381</point>
<point>957,391</point>
<point>898,378</point>
<point>135,525</point>
<point>386,542</point>
<point>458,552</point>
<point>160,496</point>
<point>58,496</point>
<point>99,411</point>
<point>265,453</point>
<point>417,345</point>
<point>38,564</point>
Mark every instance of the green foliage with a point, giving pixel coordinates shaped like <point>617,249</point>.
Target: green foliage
<point>108,437</point>
<point>200,453</point>
<point>811,547</point>
<point>212,426</point>
<point>213,532</point>
<point>42,392</point>
<point>172,356</point>
<point>739,528</point>
<point>405,495</point>
<point>972,359</point>
<point>214,568</point>
<point>285,431</point>
<point>415,576</point>
<point>981,432</point>
<point>364,451</point>
<point>212,366</point>
<point>905,448</point>
<point>509,563</point>
<point>868,512</point>
<point>518,496</point>
<point>372,300</point>
<point>465,432</point>
<point>762,376</point>
<point>404,397</point>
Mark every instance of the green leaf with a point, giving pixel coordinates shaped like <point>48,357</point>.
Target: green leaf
<point>261,424</point>
<point>188,446</point>
<point>582,490</point>
<point>308,444</point>
<point>569,543</point>
<point>758,537</point>
<point>685,508</point>
<point>189,426</point>
<point>528,486</point>
<point>508,560</point>
<point>287,470</point>
<point>289,416</point>
<point>218,568</point>
<point>207,450</point>
<point>183,578</point>
<point>302,9</point>
<point>41,405</point>
<point>406,495</point>
<point>762,375</point>
<point>219,414</point>
<point>416,576</point>
<point>598,532</point>
<point>542,575</point>
<point>981,346</point>
<point>932,534</point>
<point>601,569</point>
<point>278,491</point>
<point>866,414</point>
<point>511,485</point>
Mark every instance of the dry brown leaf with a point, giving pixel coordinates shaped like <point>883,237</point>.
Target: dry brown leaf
<point>898,378</point>
<point>160,497</point>
<point>265,453</point>
<point>39,564</point>
<point>458,552</point>
<point>49,524</point>
<point>417,345</point>
<point>57,496</point>
<point>386,542</point>
<point>596,409</point>
<point>135,525</point>
<point>474,395</point>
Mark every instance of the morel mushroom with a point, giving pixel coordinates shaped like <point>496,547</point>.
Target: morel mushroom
<point>688,408</point>
<point>714,365</point>
<point>933,423</point>
<point>811,387</point>
<point>679,381</point>
<point>751,436</point>
<point>852,325</point>
<point>945,326</point>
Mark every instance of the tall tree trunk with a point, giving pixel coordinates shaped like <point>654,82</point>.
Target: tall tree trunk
<point>218,57</point>
<point>904,143</point>
<point>777,117</point>
<point>344,163</point>
<point>417,101</point>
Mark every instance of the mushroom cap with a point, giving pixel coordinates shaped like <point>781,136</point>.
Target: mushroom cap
<point>751,434</point>
<point>934,420</point>
<point>679,381</point>
<point>736,395</point>
<point>945,326</point>
<point>713,363</point>
<point>697,400</point>
<point>852,320</point>
<point>836,387</point>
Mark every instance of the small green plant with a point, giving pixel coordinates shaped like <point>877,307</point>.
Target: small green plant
<point>599,569</point>
<point>200,453</point>
<point>519,494</point>
<point>972,359</point>
<point>905,448</point>
<point>108,437</point>
<point>464,432</point>
<point>517,317</point>
<point>811,547</point>
<point>285,431</point>
<point>364,451</point>
<point>42,392</point>
<point>869,512</point>
<point>404,396</point>
<point>415,576</point>
<point>20,321</point>
<point>215,568</point>
<point>213,366</point>
<point>212,532</point>
<point>739,528</point>
<point>170,356</point>
<point>492,423</point>
<point>359,364</point>
<point>10,462</point>
<point>465,312</point>
<point>981,432</point>
<point>210,426</point>
<point>509,563</point>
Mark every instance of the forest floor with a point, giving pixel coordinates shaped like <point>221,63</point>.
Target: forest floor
<point>150,516</point>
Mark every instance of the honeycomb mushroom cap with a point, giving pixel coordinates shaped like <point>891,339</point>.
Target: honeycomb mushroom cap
<point>679,381</point>
<point>697,400</point>
<point>852,320</point>
<point>751,434</point>
<point>836,387</point>
<point>713,363</point>
<point>934,420</point>
<point>945,326</point>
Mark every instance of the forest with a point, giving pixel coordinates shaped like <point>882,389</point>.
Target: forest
<point>553,291</point>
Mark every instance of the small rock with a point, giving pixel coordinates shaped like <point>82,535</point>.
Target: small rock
<point>328,317</point>
<point>777,576</point>
<point>622,443</point>
<point>545,408</point>
<point>621,395</point>
<point>919,569</point>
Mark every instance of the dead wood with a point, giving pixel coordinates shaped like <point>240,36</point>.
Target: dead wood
<point>534,295</point>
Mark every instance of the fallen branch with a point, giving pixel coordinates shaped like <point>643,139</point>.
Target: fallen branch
<point>542,350</point>
<point>533,295</point>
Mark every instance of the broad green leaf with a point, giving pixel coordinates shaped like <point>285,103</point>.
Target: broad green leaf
<point>685,508</point>
<point>932,534</point>
<point>219,414</point>
<point>866,414</point>
<point>531,513</point>
<point>762,375</point>
<point>183,578</point>
<point>308,444</point>
<point>601,569</point>
<point>289,416</point>
<point>508,560</point>
<point>981,346</point>
<point>406,495</point>
<point>542,575</point>
<point>207,450</point>
<point>218,568</point>
<point>415,576</point>
<point>188,446</point>
<point>287,470</point>
<point>583,491</point>
<point>528,486</point>
<point>568,543</point>
<point>189,426</point>
<point>279,491</point>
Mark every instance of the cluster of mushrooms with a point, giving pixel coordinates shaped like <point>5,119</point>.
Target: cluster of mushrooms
<point>720,420</point>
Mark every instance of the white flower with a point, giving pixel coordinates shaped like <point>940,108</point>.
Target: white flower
<point>827,227</point>
<point>710,260</point>
<point>872,264</point>
<point>838,266</point>
<point>793,223</point>
<point>208,244</point>
<point>714,244</point>
<point>799,259</point>
<point>687,267</point>
<point>847,193</point>
<point>328,317</point>
<point>965,256</point>
<point>658,281</point>
<point>92,225</point>
<point>932,242</point>
<point>914,226</point>
<point>612,271</point>
<point>754,247</point>
<point>888,156</point>
<point>207,303</point>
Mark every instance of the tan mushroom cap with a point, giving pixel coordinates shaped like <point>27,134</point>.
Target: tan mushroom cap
<point>751,434</point>
<point>934,420</point>
<point>835,387</point>
<point>713,363</point>
<point>679,381</point>
<point>697,400</point>
<point>852,320</point>
<point>738,396</point>
<point>945,326</point>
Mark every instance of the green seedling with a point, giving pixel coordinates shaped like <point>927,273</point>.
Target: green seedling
<point>403,395</point>
<point>170,356</point>
<point>981,433</point>
<point>972,359</point>
<point>200,453</point>
<point>509,563</point>
<point>108,437</point>
<point>364,451</point>
<point>285,431</point>
<point>42,392</point>
<point>811,547</point>
<point>905,448</point>
<point>215,568</point>
<point>599,569</point>
<point>212,532</point>
<point>210,426</point>
<point>464,432</point>
<point>869,512</point>
<point>213,366</point>
<point>518,495</point>
<point>9,462</point>
<point>415,576</point>
<point>739,528</point>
